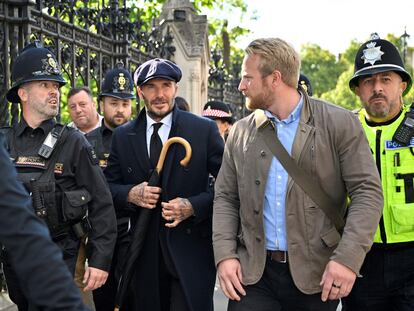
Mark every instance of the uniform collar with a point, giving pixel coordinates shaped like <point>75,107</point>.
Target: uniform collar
<point>104,129</point>
<point>45,126</point>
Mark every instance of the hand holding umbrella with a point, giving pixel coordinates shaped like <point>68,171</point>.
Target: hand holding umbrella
<point>143,220</point>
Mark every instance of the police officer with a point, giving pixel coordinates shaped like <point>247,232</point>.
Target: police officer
<point>45,276</point>
<point>221,113</point>
<point>305,83</point>
<point>380,80</point>
<point>115,100</point>
<point>59,168</point>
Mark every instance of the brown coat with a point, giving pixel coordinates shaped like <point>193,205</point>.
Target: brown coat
<point>330,146</point>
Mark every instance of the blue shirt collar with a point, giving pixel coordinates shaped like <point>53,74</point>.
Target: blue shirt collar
<point>294,115</point>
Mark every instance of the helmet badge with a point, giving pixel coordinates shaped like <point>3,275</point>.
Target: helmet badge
<point>50,67</point>
<point>303,84</point>
<point>121,81</point>
<point>372,53</point>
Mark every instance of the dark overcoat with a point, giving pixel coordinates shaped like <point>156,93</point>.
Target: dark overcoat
<point>190,243</point>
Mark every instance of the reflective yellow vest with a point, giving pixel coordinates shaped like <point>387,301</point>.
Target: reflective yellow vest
<point>396,167</point>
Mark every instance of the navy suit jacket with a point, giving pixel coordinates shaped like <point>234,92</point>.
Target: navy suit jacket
<point>190,243</point>
<point>37,261</point>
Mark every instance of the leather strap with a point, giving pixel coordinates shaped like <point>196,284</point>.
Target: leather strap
<point>312,189</point>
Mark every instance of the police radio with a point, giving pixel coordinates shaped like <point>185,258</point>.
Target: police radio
<point>405,130</point>
<point>49,143</point>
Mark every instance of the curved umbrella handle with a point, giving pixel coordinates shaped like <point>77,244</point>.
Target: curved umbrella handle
<point>166,146</point>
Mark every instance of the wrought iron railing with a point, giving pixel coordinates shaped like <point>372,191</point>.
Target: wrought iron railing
<point>87,40</point>
<point>223,85</point>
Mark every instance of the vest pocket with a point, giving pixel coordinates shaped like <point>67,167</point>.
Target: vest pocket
<point>402,218</point>
<point>75,204</point>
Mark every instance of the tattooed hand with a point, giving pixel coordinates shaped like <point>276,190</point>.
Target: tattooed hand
<point>175,211</point>
<point>144,195</point>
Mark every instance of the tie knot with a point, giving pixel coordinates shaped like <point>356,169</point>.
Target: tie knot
<point>156,127</point>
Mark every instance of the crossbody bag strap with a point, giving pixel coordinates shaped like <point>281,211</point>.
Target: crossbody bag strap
<point>312,189</point>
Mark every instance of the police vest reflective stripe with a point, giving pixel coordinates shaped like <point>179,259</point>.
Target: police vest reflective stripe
<point>396,167</point>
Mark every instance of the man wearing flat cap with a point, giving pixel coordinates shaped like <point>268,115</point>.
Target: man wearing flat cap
<point>380,81</point>
<point>175,270</point>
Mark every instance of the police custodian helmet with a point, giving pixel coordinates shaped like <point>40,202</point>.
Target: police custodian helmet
<point>118,83</point>
<point>305,83</point>
<point>34,63</point>
<point>375,56</point>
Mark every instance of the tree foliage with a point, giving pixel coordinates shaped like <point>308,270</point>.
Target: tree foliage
<point>321,67</point>
<point>330,75</point>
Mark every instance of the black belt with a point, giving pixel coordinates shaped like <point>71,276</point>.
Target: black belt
<point>278,256</point>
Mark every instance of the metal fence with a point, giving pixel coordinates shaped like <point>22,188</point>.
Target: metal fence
<point>223,85</point>
<point>88,38</point>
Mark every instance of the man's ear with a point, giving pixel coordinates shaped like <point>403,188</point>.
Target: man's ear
<point>356,90</point>
<point>140,93</point>
<point>276,77</point>
<point>403,87</point>
<point>22,93</point>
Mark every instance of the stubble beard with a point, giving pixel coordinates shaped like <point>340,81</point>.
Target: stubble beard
<point>258,102</point>
<point>112,123</point>
<point>45,110</point>
<point>158,115</point>
<point>381,111</point>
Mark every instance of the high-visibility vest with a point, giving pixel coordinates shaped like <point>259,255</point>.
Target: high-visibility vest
<point>395,164</point>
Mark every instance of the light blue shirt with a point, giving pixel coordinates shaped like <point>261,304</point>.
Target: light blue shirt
<point>275,193</point>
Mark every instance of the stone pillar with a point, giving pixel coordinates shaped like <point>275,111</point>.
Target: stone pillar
<point>192,54</point>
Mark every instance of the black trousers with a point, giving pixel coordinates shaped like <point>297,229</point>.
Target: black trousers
<point>276,291</point>
<point>104,297</point>
<point>387,282</point>
<point>171,292</point>
<point>70,252</point>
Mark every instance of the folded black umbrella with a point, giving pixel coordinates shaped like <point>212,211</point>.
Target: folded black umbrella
<point>143,221</point>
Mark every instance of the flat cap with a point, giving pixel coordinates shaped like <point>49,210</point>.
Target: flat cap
<point>157,68</point>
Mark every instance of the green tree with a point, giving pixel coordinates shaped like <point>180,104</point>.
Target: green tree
<point>341,95</point>
<point>321,67</point>
<point>337,90</point>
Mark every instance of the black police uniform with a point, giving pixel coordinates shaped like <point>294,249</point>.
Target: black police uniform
<point>36,260</point>
<point>104,297</point>
<point>68,189</point>
<point>117,83</point>
<point>100,139</point>
<point>77,175</point>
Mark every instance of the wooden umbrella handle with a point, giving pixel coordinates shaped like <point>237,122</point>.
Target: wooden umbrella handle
<point>166,146</point>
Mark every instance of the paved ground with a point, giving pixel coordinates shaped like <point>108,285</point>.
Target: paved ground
<point>6,304</point>
<point>220,302</point>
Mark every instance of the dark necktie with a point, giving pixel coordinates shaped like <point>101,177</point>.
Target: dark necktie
<point>155,144</point>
